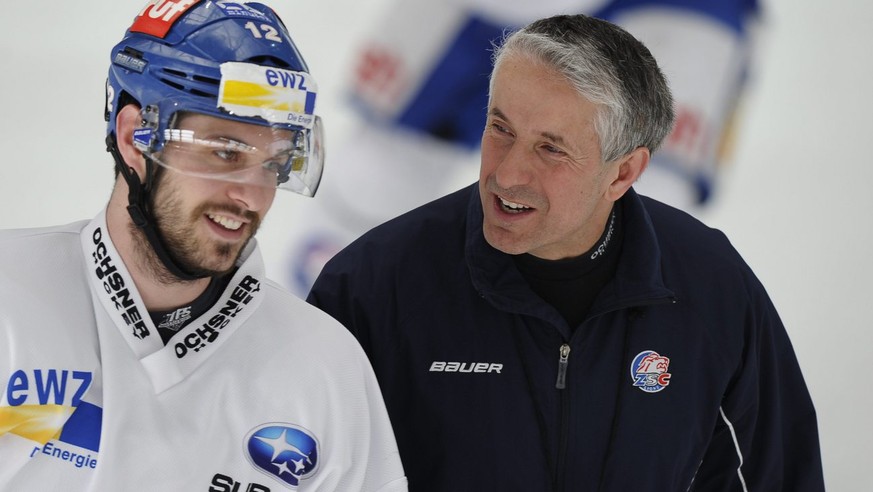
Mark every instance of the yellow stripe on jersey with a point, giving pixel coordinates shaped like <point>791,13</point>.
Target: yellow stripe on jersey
<point>40,423</point>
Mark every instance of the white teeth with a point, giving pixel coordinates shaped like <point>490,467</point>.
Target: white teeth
<point>225,222</point>
<point>513,205</point>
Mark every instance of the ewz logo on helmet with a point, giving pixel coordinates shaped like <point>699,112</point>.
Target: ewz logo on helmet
<point>277,95</point>
<point>286,79</point>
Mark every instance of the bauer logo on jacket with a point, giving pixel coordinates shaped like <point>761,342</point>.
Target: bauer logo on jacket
<point>649,371</point>
<point>286,452</point>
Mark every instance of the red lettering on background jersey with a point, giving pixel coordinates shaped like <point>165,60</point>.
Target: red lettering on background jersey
<point>159,15</point>
<point>689,135</point>
<point>377,68</point>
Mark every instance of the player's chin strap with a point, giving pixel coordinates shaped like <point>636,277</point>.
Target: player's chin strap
<point>139,210</point>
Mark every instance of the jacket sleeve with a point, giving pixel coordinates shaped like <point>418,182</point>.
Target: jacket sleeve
<point>766,435</point>
<point>332,293</point>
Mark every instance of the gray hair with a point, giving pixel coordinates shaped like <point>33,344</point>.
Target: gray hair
<point>610,68</point>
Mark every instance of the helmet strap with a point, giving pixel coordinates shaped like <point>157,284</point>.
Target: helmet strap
<point>139,210</point>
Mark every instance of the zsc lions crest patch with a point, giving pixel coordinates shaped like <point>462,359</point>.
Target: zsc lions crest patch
<point>284,451</point>
<point>649,371</point>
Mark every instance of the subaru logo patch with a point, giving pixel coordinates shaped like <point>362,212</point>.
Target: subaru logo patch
<point>649,371</point>
<point>284,451</point>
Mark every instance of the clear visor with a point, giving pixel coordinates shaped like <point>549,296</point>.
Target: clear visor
<point>225,150</point>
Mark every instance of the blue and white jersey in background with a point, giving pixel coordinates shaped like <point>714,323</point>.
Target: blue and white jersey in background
<point>420,88</point>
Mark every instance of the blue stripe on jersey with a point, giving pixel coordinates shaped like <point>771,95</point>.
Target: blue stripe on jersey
<point>84,426</point>
<point>452,103</point>
<point>732,13</point>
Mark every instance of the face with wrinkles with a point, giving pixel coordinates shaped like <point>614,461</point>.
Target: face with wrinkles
<point>543,186</point>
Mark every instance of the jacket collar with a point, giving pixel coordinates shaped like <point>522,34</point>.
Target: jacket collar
<point>638,281</point>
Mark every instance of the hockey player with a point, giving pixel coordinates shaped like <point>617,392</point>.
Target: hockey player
<point>548,328</point>
<point>145,349</point>
<point>419,91</point>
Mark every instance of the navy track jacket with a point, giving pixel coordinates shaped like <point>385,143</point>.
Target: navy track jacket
<point>682,377</point>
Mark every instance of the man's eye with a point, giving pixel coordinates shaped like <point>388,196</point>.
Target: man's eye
<point>500,128</point>
<point>228,155</point>
<point>274,166</point>
<point>553,150</point>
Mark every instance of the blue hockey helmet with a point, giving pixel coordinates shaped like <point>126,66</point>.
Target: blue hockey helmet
<point>225,59</point>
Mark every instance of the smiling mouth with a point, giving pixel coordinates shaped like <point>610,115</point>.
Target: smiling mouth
<point>225,222</point>
<point>512,207</point>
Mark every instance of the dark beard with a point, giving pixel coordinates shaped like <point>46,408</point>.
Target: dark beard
<point>178,242</point>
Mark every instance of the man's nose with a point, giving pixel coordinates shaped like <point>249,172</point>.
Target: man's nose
<point>253,196</point>
<point>514,168</point>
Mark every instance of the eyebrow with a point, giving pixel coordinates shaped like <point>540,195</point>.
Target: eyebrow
<point>548,135</point>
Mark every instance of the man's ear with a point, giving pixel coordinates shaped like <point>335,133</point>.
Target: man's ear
<point>128,120</point>
<point>630,167</point>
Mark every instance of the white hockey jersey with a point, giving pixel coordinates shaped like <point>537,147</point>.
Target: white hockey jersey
<point>261,393</point>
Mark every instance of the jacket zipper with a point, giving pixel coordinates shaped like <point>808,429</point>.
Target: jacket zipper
<point>563,356</point>
<point>563,433</point>
<point>556,469</point>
